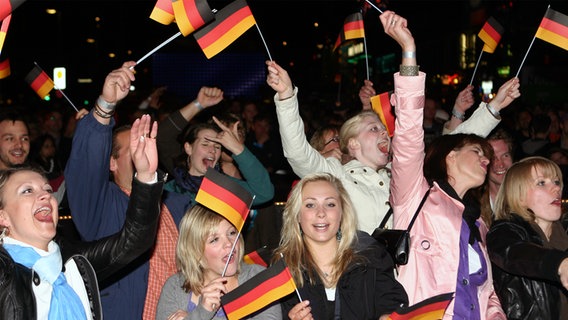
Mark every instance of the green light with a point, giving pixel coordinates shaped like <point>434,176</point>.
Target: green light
<point>504,71</point>
<point>47,98</point>
<point>86,102</point>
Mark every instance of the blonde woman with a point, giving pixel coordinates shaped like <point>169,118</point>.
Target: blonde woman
<point>204,244</point>
<point>527,243</point>
<point>338,271</point>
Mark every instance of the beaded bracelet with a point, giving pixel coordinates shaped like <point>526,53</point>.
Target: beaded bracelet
<point>101,113</point>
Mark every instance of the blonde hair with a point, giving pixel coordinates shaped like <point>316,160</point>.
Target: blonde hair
<point>294,250</point>
<point>195,227</point>
<point>352,127</point>
<point>518,180</point>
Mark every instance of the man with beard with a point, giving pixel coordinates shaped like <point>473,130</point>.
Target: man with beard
<point>14,140</point>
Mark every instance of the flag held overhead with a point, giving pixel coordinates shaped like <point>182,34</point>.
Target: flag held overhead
<point>191,15</point>
<point>40,82</point>
<point>225,196</point>
<point>353,28</point>
<point>491,34</point>
<point>230,23</point>
<point>554,29</point>
<point>163,12</point>
<point>259,291</point>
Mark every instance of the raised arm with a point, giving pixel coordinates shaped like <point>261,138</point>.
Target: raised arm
<point>303,158</point>
<point>171,127</point>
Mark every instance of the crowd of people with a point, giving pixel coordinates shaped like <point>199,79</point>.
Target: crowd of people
<point>490,230</point>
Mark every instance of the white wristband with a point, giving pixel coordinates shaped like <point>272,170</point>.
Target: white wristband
<point>198,105</point>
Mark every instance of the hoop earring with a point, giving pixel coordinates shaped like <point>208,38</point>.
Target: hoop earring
<point>338,236</point>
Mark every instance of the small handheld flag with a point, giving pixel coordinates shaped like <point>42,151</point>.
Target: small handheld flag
<point>230,23</point>
<point>4,30</point>
<point>191,15</point>
<point>353,28</point>
<point>381,105</point>
<point>261,256</point>
<point>163,12</point>
<point>225,196</point>
<point>491,34</point>
<point>40,82</point>
<point>430,309</point>
<point>259,291</point>
<point>554,29</point>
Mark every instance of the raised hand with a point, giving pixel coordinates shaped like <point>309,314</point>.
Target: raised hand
<point>229,137</point>
<point>279,80</point>
<point>465,99</point>
<point>143,148</point>
<point>506,94</point>
<point>209,96</point>
<point>365,93</point>
<point>117,83</point>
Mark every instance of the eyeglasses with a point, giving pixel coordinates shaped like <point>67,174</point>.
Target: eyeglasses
<point>334,139</point>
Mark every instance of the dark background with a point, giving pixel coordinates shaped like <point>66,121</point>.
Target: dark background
<point>125,29</point>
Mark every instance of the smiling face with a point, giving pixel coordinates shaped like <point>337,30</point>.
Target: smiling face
<point>467,168</point>
<point>216,253</point>
<point>203,153</point>
<point>14,143</point>
<point>320,213</point>
<point>30,210</point>
<point>544,198</point>
<point>501,162</point>
<point>371,145</point>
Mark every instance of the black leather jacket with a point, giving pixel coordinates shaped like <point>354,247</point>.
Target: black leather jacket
<point>525,273</point>
<point>95,260</point>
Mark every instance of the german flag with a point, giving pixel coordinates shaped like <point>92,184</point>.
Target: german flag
<point>4,69</point>
<point>353,28</point>
<point>7,6</point>
<point>429,309</point>
<point>554,28</point>
<point>230,23</point>
<point>4,30</point>
<point>40,82</point>
<point>259,291</point>
<point>491,34</point>
<point>261,256</point>
<point>224,196</point>
<point>381,105</point>
<point>191,15</point>
<point>163,12</point>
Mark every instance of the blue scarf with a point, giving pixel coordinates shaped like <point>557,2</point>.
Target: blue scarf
<point>65,303</point>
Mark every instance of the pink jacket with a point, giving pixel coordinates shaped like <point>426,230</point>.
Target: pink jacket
<point>434,246</point>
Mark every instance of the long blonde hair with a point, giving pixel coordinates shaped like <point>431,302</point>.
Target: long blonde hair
<point>518,180</point>
<point>195,227</point>
<point>292,247</point>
